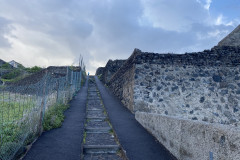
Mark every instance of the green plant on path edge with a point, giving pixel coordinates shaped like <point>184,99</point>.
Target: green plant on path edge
<point>54,117</point>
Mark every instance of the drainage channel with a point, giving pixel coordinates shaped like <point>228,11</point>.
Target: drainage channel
<point>99,141</point>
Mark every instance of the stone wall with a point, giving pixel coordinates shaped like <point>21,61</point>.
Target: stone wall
<point>192,140</point>
<point>106,73</point>
<point>190,102</point>
<point>232,39</point>
<point>122,82</point>
<point>207,88</point>
<point>100,72</point>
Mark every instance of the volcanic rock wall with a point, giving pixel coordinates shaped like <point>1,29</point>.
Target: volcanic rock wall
<point>122,82</point>
<point>233,39</point>
<point>201,86</point>
<point>189,102</point>
<point>172,94</point>
<point>105,73</point>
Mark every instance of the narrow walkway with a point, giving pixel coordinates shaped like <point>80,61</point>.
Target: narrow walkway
<point>100,132</point>
<point>63,143</point>
<point>99,142</point>
<point>135,140</point>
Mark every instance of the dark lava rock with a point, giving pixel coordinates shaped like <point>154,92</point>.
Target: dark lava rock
<point>169,78</point>
<point>202,99</point>
<point>194,118</point>
<point>217,78</point>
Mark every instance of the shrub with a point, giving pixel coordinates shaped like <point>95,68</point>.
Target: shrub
<point>33,69</point>
<point>11,75</point>
<point>6,66</point>
<point>54,117</point>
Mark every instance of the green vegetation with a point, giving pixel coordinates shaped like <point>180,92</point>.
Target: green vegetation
<point>105,113</point>
<point>13,116</point>
<point>33,69</point>
<point>10,132</point>
<point>16,74</point>
<point>12,135</point>
<point>14,79</point>
<point>84,137</point>
<point>100,76</point>
<point>14,110</point>
<point>111,131</point>
<point>15,125</point>
<point>20,114</point>
<point>20,66</point>
<point>54,117</point>
<point>11,75</point>
<point>6,66</point>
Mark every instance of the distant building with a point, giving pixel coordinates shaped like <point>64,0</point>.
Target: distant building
<point>14,64</point>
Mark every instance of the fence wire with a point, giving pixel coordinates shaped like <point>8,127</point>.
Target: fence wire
<point>23,106</point>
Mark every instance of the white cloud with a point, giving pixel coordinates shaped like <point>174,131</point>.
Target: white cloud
<point>5,29</point>
<point>175,15</point>
<point>205,3</point>
<point>56,32</point>
<point>208,4</point>
<point>219,20</point>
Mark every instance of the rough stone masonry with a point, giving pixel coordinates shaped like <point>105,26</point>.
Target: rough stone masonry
<point>198,89</point>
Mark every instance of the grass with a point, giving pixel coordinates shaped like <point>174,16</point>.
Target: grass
<point>19,121</point>
<point>111,131</point>
<point>18,78</point>
<point>15,107</point>
<point>105,113</point>
<point>84,137</point>
<point>14,116</point>
<point>14,111</point>
<point>13,136</point>
<point>100,76</point>
<point>54,117</point>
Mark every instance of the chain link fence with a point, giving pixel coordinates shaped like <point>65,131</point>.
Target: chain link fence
<point>24,104</point>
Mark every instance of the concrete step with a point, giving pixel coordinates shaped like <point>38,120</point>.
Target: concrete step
<point>93,90</point>
<point>94,98</point>
<point>98,130</point>
<point>96,114</point>
<point>101,157</point>
<point>100,149</point>
<point>94,109</point>
<point>96,118</point>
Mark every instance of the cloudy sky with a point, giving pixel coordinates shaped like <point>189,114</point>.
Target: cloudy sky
<point>56,32</point>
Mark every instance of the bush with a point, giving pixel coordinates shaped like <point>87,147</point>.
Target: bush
<point>33,69</point>
<point>54,117</point>
<point>6,66</point>
<point>11,75</point>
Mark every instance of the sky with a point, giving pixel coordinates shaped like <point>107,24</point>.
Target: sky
<point>57,32</point>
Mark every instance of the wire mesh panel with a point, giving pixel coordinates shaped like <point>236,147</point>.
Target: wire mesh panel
<point>24,104</point>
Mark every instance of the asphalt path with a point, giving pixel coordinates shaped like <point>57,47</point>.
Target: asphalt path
<point>63,143</point>
<point>135,140</point>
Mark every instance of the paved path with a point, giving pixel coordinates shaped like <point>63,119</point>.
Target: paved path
<point>135,140</point>
<point>63,143</point>
<point>93,139</point>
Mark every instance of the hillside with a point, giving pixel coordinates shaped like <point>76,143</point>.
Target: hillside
<point>10,72</point>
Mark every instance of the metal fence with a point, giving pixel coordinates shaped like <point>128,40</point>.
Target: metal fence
<point>23,106</point>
